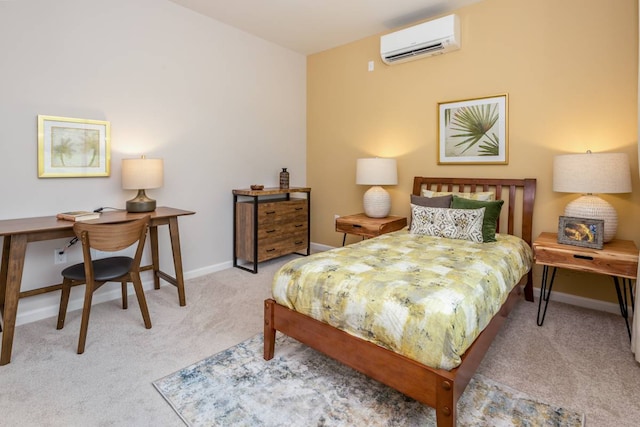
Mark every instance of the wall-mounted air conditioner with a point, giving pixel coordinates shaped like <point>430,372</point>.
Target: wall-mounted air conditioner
<point>429,38</point>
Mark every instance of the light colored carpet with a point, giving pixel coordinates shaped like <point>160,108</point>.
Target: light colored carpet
<point>302,387</point>
<point>579,359</point>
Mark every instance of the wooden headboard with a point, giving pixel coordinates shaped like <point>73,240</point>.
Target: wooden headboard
<point>518,194</point>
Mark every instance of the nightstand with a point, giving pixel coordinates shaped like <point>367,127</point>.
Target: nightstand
<point>618,259</point>
<point>362,225</point>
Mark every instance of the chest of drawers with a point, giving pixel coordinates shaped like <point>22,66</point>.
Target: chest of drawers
<point>270,223</point>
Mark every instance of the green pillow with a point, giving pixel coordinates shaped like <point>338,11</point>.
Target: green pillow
<point>491,214</point>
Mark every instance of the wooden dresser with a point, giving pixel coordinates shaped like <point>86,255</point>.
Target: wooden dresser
<point>270,223</point>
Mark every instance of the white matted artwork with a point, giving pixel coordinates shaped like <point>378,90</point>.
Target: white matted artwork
<point>473,131</point>
<point>70,147</point>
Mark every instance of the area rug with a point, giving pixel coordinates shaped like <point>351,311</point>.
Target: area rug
<point>302,387</point>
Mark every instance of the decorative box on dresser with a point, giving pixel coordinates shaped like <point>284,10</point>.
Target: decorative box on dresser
<point>270,223</point>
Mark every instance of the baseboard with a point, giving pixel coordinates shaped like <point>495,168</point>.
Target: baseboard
<point>317,247</point>
<point>593,304</point>
<point>51,309</point>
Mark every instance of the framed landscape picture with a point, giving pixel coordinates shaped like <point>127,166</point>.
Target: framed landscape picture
<point>585,232</point>
<point>73,147</point>
<point>473,131</point>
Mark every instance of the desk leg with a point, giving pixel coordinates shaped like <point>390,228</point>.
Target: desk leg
<point>3,274</point>
<point>177,259</point>
<point>544,293</point>
<point>622,300</point>
<point>155,258</point>
<point>11,279</point>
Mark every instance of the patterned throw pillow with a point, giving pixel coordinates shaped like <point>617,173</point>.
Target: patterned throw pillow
<point>491,215</point>
<point>462,224</point>
<point>480,195</point>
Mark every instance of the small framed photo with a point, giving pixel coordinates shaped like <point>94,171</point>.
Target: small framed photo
<point>473,131</point>
<point>73,147</point>
<point>585,232</point>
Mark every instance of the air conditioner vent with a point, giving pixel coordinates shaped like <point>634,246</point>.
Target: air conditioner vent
<point>420,51</point>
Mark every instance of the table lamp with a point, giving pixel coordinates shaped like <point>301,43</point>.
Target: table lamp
<point>591,173</point>
<point>141,174</point>
<point>376,172</point>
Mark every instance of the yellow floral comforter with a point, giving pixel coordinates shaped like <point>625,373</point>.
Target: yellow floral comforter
<point>425,297</point>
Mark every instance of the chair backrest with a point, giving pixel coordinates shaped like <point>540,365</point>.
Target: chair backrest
<point>112,237</point>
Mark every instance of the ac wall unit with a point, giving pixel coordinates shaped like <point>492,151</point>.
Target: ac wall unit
<point>429,38</point>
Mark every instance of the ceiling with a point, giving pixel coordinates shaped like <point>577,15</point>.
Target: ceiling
<point>311,26</point>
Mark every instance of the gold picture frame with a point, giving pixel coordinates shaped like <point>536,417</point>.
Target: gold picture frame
<point>72,148</point>
<point>474,131</point>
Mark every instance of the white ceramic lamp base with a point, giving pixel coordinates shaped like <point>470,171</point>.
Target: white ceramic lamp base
<point>593,207</point>
<point>377,202</point>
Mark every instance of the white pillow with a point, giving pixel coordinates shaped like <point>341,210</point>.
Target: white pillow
<point>480,195</point>
<point>462,224</point>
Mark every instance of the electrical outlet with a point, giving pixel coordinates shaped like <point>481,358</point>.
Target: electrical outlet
<point>59,256</point>
<point>335,217</point>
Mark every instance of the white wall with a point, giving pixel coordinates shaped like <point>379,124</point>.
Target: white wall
<point>223,108</point>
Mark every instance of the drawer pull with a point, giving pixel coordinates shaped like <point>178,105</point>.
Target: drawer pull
<point>590,258</point>
<point>271,231</point>
<point>271,250</point>
<point>299,242</point>
<point>299,209</point>
<point>356,226</point>
<point>299,225</point>
<point>270,212</point>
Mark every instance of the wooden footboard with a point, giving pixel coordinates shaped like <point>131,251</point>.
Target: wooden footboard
<point>437,388</point>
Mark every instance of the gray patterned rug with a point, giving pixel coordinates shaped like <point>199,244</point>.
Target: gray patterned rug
<point>302,387</point>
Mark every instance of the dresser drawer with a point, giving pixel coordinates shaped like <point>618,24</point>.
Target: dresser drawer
<point>279,230</point>
<point>283,211</point>
<point>277,246</point>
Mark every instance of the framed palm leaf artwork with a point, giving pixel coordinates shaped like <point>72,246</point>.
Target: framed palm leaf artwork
<point>473,131</point>
<point>73,147</point>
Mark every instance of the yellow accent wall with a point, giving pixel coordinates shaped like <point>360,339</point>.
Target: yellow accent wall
<point>570,70</point>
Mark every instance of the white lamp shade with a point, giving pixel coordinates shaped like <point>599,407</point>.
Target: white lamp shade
<point>376,171</point>
<point>590,173</point>
<point>142,174</point>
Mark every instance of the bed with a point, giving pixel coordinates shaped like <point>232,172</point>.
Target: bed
<point>429,383</point>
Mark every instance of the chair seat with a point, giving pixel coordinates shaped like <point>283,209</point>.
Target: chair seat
<point>105,269</point>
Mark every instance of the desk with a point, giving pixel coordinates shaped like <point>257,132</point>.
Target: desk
<point>18,232</point>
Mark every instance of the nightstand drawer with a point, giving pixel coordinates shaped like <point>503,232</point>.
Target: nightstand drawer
<point>618,258</point>
<point>360,229</point>
<point>362,225</point>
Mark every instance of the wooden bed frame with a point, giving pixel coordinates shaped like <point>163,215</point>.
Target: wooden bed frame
<point>437,388</point>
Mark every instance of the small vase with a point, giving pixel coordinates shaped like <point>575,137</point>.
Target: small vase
<point>284,179</point>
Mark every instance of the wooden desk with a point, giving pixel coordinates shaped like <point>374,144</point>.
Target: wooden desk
<point>18,232</point>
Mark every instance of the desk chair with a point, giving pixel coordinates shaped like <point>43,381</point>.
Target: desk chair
<point>95,273</point>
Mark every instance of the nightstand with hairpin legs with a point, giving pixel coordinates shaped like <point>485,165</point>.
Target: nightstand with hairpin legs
<point>367,227</point>
<point>618,259</point>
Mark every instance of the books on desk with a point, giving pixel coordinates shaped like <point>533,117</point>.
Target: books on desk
<point>78,215</point>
